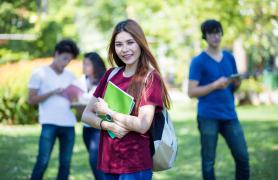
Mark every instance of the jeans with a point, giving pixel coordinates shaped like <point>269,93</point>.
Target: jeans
<point>140,175</point>
<point>49,133</point>
<point>91,139</point>
<point>233,134</point>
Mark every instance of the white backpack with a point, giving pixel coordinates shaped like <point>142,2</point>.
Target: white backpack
<point>164,144</point>
<point>164,141</point>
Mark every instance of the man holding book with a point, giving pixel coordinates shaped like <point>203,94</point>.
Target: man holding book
<point>212,81</point>
<point>46,89</point>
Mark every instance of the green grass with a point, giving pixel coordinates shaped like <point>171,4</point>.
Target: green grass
<point>18,148</point>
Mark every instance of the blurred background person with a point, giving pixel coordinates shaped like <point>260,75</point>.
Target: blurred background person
<point>45,89</point>
<point>93,70</point>
<point>210,81</point>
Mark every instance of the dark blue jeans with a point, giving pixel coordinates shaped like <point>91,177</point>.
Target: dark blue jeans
<point>233,134</point>
<point>140,175</point>
<point>91,139</point>
<point>49,133</point>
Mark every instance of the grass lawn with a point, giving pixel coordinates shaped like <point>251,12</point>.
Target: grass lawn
<point>18,148</point>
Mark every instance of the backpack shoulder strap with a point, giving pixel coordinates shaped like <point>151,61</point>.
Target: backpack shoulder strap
<point>164,110</point>
<point>113,73</point>
<point>147,76</point>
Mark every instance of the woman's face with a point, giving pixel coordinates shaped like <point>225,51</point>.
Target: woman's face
<point>127,48</point>
<point>88,68</point>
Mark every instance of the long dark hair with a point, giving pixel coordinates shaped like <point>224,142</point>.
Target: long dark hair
<point>145,60</point>
<point>98,65</point>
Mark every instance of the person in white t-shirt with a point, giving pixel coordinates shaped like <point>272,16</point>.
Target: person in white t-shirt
<point>45,89</point>
<point>93,69</point>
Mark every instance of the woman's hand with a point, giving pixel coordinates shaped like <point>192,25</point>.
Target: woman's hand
<point>119,131</point>
<point>101,107</point>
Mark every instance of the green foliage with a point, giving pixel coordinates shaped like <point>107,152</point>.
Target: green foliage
<point>22,17</point>
<point>14,108</point>
<point>103,16</point>
<point>251,85</point>
<point>16,16</point>
<point>260,28</point>
<point>172,27</point>
<point>49,36</point>
<point>250,89</point>
<point>8,55</point>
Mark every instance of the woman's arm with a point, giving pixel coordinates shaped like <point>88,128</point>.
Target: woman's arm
<point>140,124</point>
<point>90,117</point>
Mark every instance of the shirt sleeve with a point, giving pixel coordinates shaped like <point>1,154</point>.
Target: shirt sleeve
<point>234,65</point>
<point>102,84</point>
<point>35,80</point>
<point>195,70</point>
<point>152,95</point>
<point>233,62</point>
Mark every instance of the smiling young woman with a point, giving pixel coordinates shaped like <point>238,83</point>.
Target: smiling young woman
<point>128,155</point>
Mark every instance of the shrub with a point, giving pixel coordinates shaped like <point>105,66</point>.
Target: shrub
<point>249,91</point>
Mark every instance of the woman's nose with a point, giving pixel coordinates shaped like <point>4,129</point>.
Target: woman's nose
<point>125,48</point>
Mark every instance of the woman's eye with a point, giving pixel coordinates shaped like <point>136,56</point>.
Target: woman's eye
<point>118,45</point>
<point>130,43</point>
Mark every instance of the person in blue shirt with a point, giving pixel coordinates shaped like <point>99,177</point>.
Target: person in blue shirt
<point>209,82</point>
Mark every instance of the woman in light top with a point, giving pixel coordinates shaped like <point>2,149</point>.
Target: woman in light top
<point>128,156</point>
<point>93,69</point>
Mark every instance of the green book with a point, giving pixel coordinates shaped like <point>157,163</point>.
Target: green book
<point>117,100</point>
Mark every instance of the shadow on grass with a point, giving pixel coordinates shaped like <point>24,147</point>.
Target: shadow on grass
<point>18,154</point>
